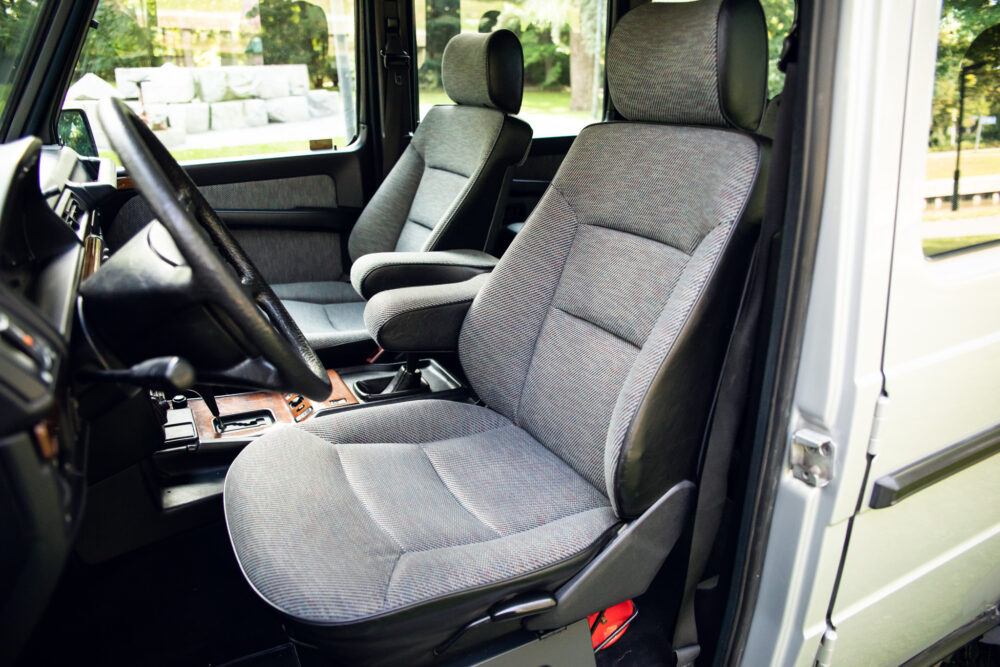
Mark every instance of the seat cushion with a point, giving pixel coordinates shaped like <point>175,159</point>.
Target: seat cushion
<point>372,512</point>
<point>329,313</point>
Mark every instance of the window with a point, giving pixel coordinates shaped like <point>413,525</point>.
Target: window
<point>779,15</point>
<point>18,22</point>
<point>962,187</point>
<point>224,78</point>
<point>563,43</point>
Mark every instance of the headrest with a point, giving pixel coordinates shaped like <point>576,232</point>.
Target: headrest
<point>484,70</point>
<point>691,63</point>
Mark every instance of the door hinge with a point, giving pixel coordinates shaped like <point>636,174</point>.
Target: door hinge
<point>874,443</point>
<point>824,656</point>
<point>812,457</point>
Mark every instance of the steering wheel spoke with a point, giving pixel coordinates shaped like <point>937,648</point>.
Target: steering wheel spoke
<point>227,275</point>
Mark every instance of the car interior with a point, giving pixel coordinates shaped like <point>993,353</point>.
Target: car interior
<point>447,396</point>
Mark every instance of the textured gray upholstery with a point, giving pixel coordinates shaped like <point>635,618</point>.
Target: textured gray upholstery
<point>717,50</point>
<point>418,200</point>
<point>329,313</point>
<point>389,270</point>
<point>554,335</point>
<point>484,69</point>
<point>595,345</point>
<point>426,318</point>
<point>460,500</point>
<point>442,191</point>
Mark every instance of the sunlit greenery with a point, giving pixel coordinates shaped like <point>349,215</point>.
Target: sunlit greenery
<point>17,24</point>
<point>939,246</point>
<point>961,22</point>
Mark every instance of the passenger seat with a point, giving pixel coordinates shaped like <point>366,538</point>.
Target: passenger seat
<point>442,192</point>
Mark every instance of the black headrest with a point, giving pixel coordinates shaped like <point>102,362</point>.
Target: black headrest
<point>484,70</point>
<point>690,63</point>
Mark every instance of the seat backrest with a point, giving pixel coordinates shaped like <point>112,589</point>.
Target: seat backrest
<point>602,330</point>
<point>442,191</point>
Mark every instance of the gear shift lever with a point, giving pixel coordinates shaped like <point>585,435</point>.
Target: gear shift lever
<point>406,380</point>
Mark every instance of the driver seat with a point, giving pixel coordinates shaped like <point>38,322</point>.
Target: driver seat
<point>380,533</point>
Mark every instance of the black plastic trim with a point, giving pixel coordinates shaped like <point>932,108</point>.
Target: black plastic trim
<point>890,489</point>
<point>322,219</point>
<point>950,643</point>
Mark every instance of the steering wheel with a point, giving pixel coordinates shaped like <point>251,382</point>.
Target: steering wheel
<point>222,269</point>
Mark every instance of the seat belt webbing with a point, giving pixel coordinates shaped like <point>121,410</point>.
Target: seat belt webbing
<point>733,384</point>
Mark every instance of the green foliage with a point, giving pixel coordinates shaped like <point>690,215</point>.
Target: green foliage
<point>118,41</point>
<point>779,15</point>
<point>961,22</point>
<point>546,65</point>
<point>17,21</point>
<point>443,22</point>
<point>295,33</point>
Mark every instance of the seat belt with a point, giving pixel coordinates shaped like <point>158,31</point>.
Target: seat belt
<point>731,393</point>
<point>396,95</point>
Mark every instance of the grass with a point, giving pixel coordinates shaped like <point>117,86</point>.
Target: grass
<point>938,246</point>
<point>536,102</point>
<point>247,150</point>
<point>966,210</point>
<point>984,162</point>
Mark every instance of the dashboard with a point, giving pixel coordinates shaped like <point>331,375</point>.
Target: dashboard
<point>49,242</point>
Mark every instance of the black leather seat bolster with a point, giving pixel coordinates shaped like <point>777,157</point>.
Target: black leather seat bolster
<point>383,271</point>
<point>427,318</point>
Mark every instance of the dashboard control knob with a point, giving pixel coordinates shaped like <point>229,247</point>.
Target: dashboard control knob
<point>179,401</point>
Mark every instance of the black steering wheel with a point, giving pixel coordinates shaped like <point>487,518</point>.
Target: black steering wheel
<point>229,279</point>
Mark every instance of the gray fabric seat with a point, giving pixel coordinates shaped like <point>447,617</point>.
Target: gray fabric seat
<point>595,345</point>
<point>441,193</point>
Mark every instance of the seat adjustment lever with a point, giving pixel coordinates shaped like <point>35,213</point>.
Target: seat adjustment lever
<point>518,606</point>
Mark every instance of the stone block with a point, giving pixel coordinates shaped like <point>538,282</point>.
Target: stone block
<point>193,117</point>
<point>227,115</point>
<point>322,103</point>
<point>287,110</point>
<point>255,112</point>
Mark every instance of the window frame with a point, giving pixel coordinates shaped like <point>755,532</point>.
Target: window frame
<point>361,87</point>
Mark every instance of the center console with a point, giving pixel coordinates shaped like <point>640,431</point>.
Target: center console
<point>199,446</point>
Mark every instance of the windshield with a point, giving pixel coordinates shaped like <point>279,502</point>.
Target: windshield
<point>18,23</point>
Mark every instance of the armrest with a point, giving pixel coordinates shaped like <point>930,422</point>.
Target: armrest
<point>427,318</point>
<point>380,271</point>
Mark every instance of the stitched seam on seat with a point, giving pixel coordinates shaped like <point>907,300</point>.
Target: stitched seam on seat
<point>596,326</point>
<point>562,272</point>
<point>640,236</point>
<point>449,171</point>
<point>523,574</point>
<point>457,499</point>
<point>364,505</point>
<point>418,222</point>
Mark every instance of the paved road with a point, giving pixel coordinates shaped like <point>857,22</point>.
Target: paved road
<point>962,227</point>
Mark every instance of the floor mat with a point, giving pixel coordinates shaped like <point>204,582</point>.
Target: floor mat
<point>182,601</point>
<point>279,656</point>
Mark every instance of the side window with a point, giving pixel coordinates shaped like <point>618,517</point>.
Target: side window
<point>962,187</point>
<point>779,15</point>
<point>224,78</point>
<point>563,45</point>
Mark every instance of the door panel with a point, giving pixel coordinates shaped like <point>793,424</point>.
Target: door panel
<point>292,214</point>
<point>919,569</point>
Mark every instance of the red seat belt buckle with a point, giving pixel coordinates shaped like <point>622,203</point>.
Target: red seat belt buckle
<point>609,626</point>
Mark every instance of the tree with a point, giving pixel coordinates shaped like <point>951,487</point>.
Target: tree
<point>779,15</point>
<point>582,20</point>
<point>118,41</point>
<point>295,32</point>
<point>443,23</point>
<point>961,22</point>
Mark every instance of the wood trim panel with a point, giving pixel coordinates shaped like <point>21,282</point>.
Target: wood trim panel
<point>278,404</point>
